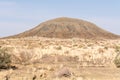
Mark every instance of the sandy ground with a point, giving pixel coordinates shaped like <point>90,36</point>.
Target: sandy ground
<point>48,72</point>
<point>61,59</point>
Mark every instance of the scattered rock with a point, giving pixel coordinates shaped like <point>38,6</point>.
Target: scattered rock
<point>43,75</point>
<point>63,72</point>
<point>7,77</point>
<point>34,77</point>
<point>50,68</point>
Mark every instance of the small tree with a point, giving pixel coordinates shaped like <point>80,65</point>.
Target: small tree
<point>4,59</point>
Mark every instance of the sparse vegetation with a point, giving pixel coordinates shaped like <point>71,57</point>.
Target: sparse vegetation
<point>4,59</point>
<point>106,47</point>
<point>25,57</point>
<point>117,62</point>
<point>117,49</point>
<point>58,47</point>
<point>45,58</point>
<point>117,58</point>
<point>75,45</point>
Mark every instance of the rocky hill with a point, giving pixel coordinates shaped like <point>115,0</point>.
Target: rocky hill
<point>67,28</point>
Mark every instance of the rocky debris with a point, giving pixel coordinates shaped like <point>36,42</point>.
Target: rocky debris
<point>7,77</point>
<point>43,75</point>
<point>63,72</point>
<point>34,77</point>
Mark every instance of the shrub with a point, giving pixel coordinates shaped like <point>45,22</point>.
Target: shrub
<point>58,47</point>
<point>4,59</point>
<point>106,48</point>
<point>25,57</point>
<point>117,49</point>
<point>117,62</point>
<point>117,58</point>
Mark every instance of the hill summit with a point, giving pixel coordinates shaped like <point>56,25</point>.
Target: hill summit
<point>67,28</point>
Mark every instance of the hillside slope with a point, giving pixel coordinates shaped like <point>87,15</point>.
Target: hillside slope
<point>67,28</point>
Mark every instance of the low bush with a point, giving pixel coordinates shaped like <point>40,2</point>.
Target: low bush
<point>4,59</point>
<point>117,62</point>
<point>117,58</point>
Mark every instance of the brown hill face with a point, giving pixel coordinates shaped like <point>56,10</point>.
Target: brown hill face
<point>67,28</point>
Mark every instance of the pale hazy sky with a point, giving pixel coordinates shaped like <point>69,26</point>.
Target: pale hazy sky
<point>20,15</point>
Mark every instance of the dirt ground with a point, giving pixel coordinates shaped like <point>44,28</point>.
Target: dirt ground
<point>48,72</point>
<point>61,59</point>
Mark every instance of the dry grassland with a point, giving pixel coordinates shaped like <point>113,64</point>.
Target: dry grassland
<point>61,59</point>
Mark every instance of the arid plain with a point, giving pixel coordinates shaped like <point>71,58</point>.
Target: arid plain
<point>38,58</point>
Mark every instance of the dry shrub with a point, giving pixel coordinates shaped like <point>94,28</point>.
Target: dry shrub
<point>117,58</point>
<point>5,59</point>
<point>58,48</point>
<point>25,57</point>
<point>117,62</point>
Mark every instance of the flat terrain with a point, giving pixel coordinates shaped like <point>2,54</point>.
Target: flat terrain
<point>38,58</point>
<point>48,71</point>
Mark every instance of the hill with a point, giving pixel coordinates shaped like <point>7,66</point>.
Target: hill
<point>67,28</point>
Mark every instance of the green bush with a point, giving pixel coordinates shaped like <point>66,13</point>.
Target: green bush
<point>4,59</point>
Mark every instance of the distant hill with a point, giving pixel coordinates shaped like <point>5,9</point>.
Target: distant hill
<point>67,28</point>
